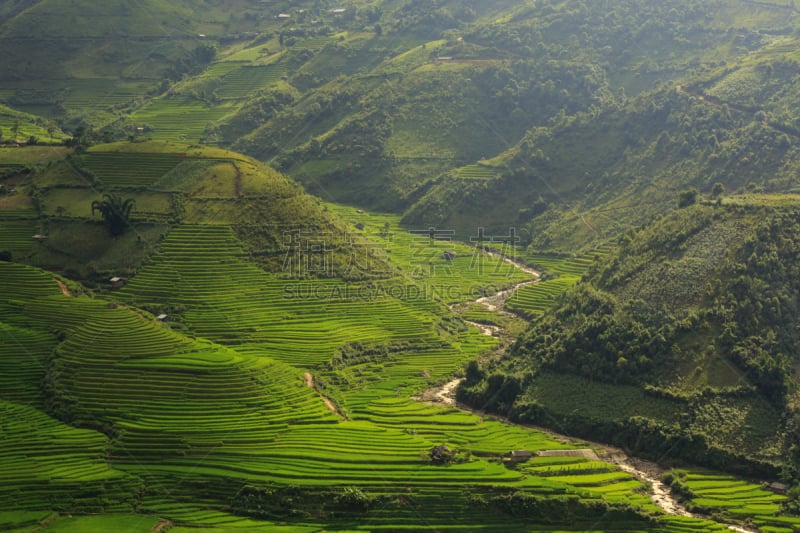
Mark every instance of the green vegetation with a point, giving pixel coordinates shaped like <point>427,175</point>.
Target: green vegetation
<point>677,344</point>
<point>270,397</point>
<point>266,436</point>
<point>642,156</point>
<point>726,496</point>
<point>115,211</point>
<point>560,273</point>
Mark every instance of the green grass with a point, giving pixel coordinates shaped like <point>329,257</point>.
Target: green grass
<point>535,299</point>
<point>47,464</point>
<point>476,172</point>
<point>123,523</point>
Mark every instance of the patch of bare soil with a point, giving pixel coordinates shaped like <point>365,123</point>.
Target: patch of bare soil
<point>309,380</point>
<point>63,287</point>
<point>161,525</point>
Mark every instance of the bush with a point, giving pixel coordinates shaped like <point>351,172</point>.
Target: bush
<point>687,197</point>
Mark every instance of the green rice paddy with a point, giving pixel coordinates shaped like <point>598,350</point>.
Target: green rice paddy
<point>205,413</point>
<point>740,500</point>
<point>563,272</point>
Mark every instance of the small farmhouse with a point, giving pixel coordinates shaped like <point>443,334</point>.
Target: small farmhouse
<point>520,456</point>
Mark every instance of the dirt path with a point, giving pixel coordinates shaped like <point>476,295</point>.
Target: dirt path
<point>486,329</point>
<point>63,287</point>
<point>309,380</point>
<point>237,181</point>
<point>161,526</point>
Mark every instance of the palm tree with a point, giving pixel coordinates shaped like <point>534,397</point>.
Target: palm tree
<point>115,212</point>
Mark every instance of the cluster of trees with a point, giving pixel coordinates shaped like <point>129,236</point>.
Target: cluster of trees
<point>115,211</point>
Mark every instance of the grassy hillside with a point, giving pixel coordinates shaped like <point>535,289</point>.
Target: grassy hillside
<point>680,346</point>
<point>377,104</point>
<point>266,397</point>
<point>199,434</point>
<point>642,155</point>
<point>592,177</point>
<point>168,184</point>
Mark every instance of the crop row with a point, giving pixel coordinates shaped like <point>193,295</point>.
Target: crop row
<point>559,265</point>
<point>476,171</point>
<point>434,258</point>
<point>20,282</point>
<point>18,213</point>
<point>16,236</point>
<point>178,118</point>
<point>129,170</point>
<point>313,43</point>
<point>244,80</point>
<point>45,463</point>
<point>231,301</point>
<point>739,499</point>
<point>23,356</point>
<point>534,299</point>
<point>209,418</point>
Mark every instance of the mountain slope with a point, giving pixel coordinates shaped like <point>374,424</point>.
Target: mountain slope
<point>685,341</point>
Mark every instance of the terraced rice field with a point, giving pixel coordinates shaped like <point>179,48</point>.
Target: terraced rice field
<point>119,170</point>
<point>740,500</point>
<point>533,300</point>
<point>24,354</point>
<point>201,418</point>
<point>245,80</point>
<point>434,257</point>
<point>100,93</point>
<point>178,118</point>
<point>313,43</point>
<point>476,172</point>
<point>46,464</point>
<point>16,236</point>
<point>232,301</point>
<point>27,126</point>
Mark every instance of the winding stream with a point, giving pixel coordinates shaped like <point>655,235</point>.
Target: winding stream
<point>646,471</point>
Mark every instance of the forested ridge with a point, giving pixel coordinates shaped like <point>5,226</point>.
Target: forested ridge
<point>696,311</point>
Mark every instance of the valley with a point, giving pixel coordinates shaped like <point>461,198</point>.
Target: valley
<point>423,265</point>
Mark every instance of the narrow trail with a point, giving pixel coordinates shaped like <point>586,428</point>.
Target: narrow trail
<point>309,380</point>
<point>645,471</point>
<point>162,526</point>
<point>63,287</point>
